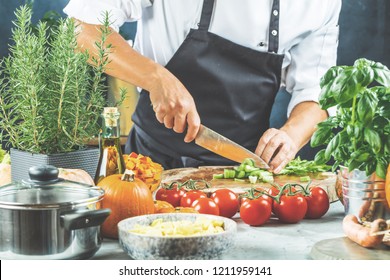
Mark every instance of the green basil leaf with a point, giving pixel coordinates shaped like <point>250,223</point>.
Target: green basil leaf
<point>350,85</point>
<point>357,131</point>
<point>387,146</point>
<point>360,156</point>
<point>382,74</point>
<point>373,139</point>
<point>362,62</point>
<point>366,107</point>
<point>380,169</point>
<point>329,76</point>
<point>321,136</point>
<point>319,158</point>
<point>353,164</point>
<point>326,98</point>
<point>368,75</point>
<point>350,130</point>
<point>331,147</point>
<point>370,167</point>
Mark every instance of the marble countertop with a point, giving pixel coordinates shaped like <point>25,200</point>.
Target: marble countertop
<point>272,241</point>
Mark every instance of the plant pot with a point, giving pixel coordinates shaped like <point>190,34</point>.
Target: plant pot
<point>363,196</point>
<point>21,161</point>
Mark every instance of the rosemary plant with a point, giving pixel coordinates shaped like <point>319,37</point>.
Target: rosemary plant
<point>50,96</point>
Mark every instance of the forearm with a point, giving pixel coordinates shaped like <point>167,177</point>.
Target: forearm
<point>302,122</point>
<point>125,63</point>
<point>172,103</point>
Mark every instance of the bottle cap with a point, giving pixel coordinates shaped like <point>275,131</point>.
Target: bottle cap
<point>110,110</point>
<point>111,116</point>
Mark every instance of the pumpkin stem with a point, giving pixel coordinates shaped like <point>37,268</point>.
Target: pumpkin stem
<point>128,176</point>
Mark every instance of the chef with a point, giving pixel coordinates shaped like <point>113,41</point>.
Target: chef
<point>219,63</point>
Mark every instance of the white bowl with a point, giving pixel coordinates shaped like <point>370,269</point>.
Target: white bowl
<point>144,247</point>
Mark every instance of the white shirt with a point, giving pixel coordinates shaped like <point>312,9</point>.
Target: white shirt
<point>308,31</point>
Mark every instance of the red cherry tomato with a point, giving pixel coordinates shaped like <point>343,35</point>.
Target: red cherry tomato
<point>317,203</point>
<point>189,197</point>
<point>205,205</point>
<point>255,212</point>
<point>227,202</point>
<point>171,195</point>
<point>291,208</point>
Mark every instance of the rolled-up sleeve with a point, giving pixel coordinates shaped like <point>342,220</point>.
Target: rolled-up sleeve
<point>310,59</point>
<point>120,11</point>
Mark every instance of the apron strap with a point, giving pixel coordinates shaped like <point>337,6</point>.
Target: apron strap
<point>273,35</point>
<point>273,46</point>
<point>207,11</point>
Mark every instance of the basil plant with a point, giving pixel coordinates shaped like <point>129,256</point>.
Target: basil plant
<point>358,136</point>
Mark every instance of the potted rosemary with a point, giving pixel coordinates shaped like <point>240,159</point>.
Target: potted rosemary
<point>51,98</point>
<point>358,136</point>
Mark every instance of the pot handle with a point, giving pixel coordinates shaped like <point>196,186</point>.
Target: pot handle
<point>83,219</point>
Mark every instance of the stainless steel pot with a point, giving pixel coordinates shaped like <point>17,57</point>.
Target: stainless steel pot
<point>50,218</point>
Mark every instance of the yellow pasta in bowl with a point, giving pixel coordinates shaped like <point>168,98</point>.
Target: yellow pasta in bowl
<point>176,236</point>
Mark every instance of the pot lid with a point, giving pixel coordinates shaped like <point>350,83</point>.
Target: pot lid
<point>45,190</point>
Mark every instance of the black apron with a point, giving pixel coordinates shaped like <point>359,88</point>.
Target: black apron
<point>233,87</point>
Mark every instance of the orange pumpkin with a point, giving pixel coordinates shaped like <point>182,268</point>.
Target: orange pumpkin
<point>127,197</point>
<point>76,175</point>
<point>161,206</point>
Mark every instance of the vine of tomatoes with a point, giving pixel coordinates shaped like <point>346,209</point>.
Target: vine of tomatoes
<point>289,203</point>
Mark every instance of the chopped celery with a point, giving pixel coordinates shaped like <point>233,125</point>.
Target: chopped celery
<point>239,180</point>
<point>304,179</point>
<point>252,179</point>
<point>218,176</point>
<point>241,174</point>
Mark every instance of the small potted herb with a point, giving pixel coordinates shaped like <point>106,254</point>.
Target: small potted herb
<point>51,98</point>
<point>358,136</point>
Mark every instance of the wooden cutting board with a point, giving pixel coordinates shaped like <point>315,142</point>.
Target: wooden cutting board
<point>326,180</point>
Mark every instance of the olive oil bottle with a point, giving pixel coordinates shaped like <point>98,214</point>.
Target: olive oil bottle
<point>111,157</point>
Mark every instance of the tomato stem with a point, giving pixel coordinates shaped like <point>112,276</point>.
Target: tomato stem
<point>189,184</point>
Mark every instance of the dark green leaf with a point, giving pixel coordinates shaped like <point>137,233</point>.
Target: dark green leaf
<point>331,147</point>
<point>380,169</point>
<point>382,74</point>
<point>320,157</point>
<point>360,156</point>
<point>321,136</point>
<point>368,76</point>
<point>347,85</point>
<point>370,167</point>
<point>329,76</point>
<point>353,164</point>
<point>350,130</point>
<point>362,62</point>
<point>366,107</point>
<point>326,98</point>
<point>373,139</point>
<point>357,131</point>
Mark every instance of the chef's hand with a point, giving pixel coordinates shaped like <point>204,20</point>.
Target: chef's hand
<point>279,146</point>
<point>276,148</point>
<point>174,105</point>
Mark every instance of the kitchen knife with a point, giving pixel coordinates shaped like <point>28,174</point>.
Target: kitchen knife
<point>211,140</point>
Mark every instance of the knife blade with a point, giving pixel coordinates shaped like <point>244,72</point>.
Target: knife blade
<point>219,144</point>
